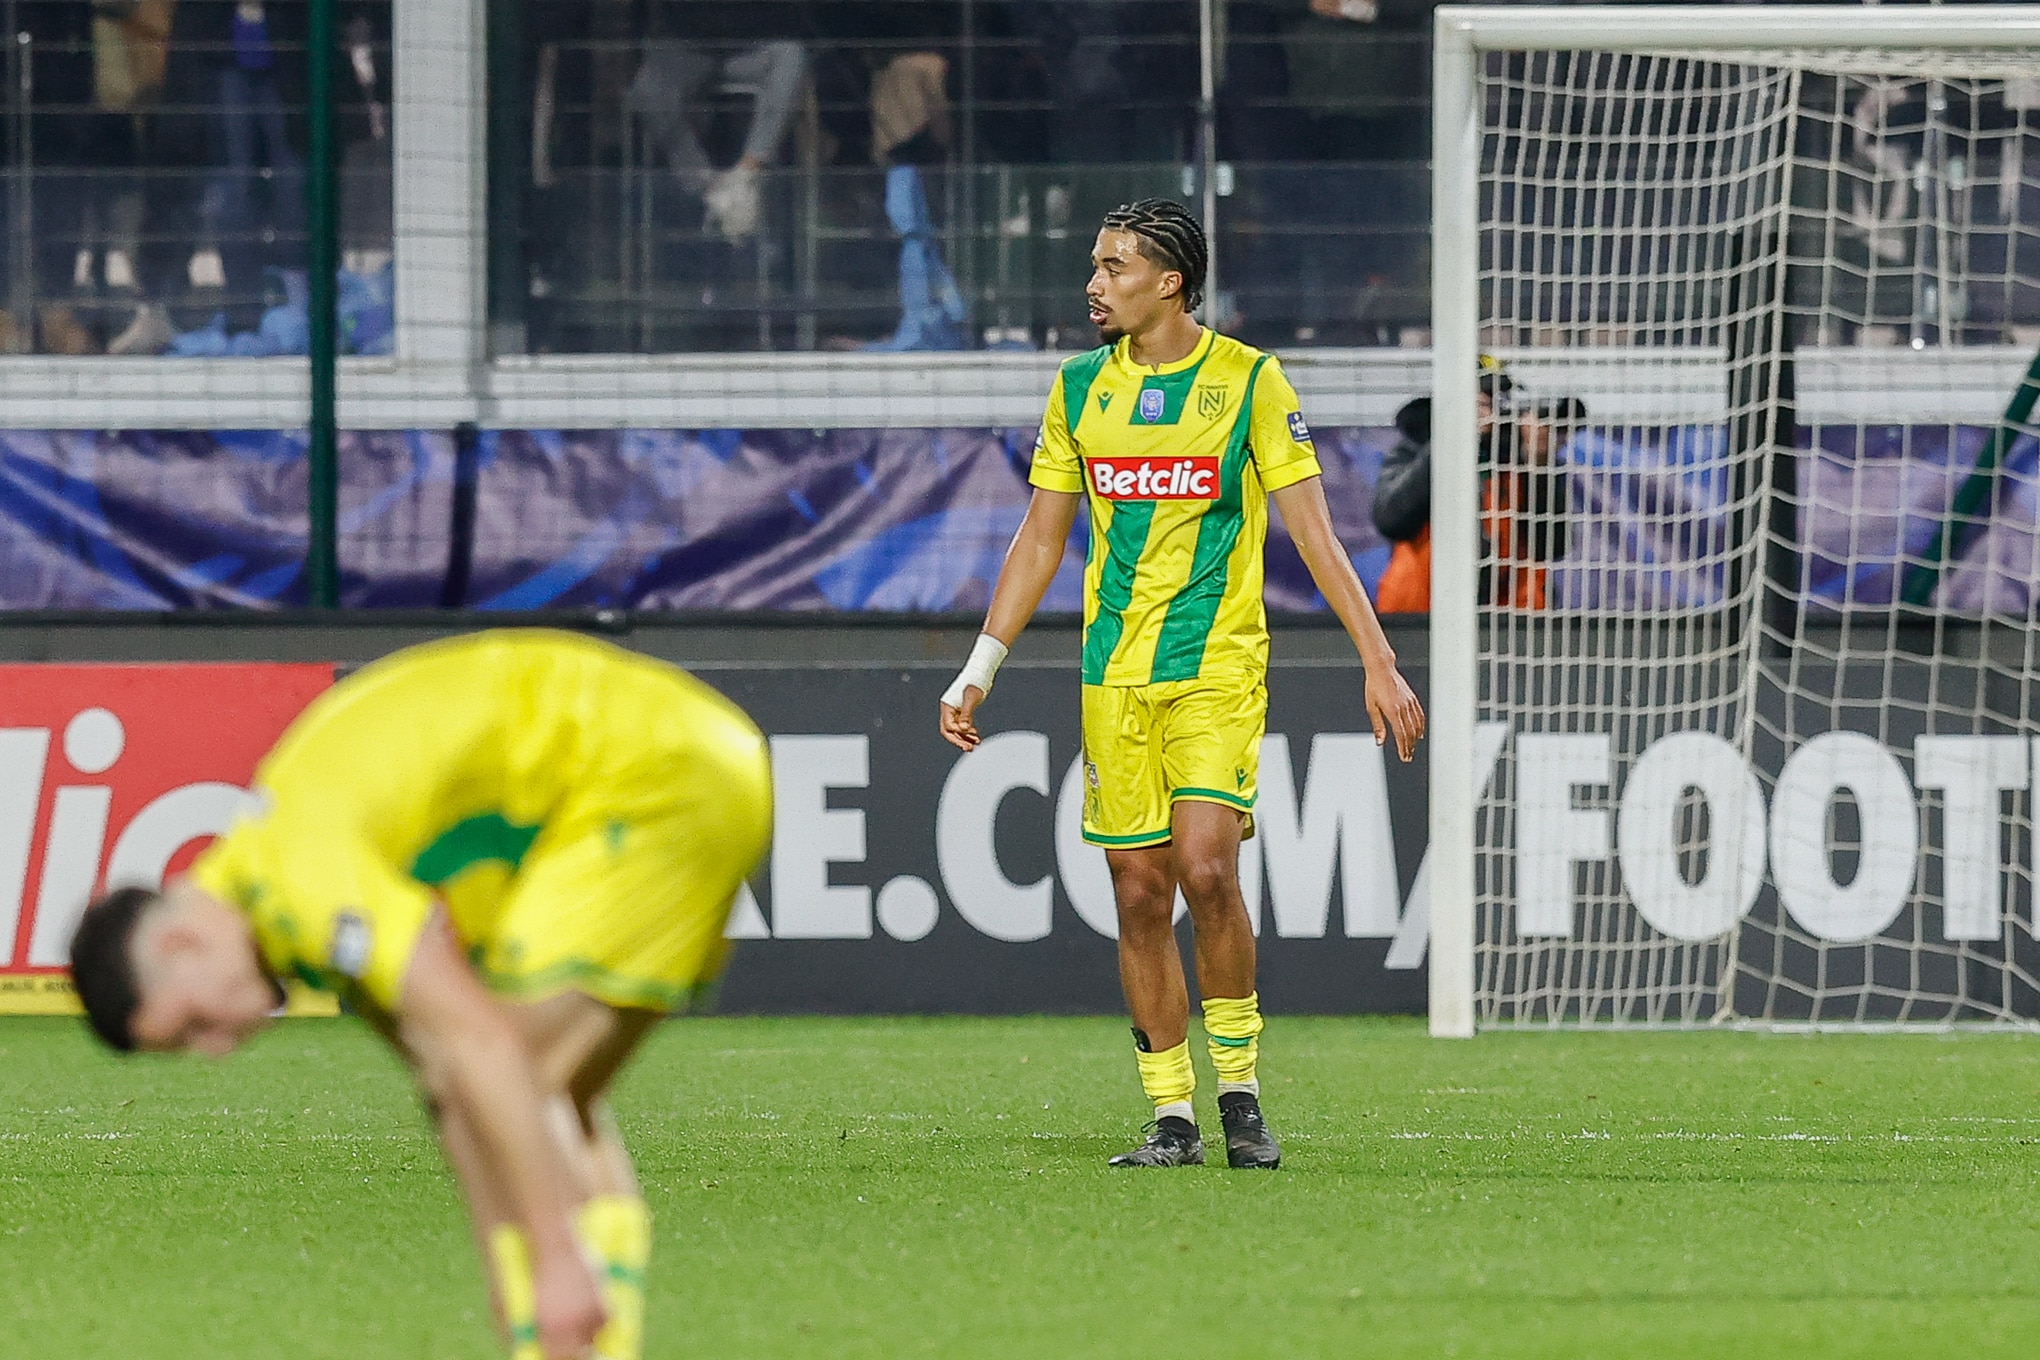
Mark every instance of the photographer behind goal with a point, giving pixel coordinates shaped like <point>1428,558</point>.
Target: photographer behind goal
<point>1523,496</point>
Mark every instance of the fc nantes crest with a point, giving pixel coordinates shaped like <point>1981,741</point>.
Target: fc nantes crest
<point>1210,402</point>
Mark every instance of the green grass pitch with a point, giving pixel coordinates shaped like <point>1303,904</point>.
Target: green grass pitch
<point>884,1188</point>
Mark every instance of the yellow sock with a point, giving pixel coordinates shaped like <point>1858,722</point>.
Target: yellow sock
<point>616,1231</point>
<point>1232,1030</point>
<point>510,1259</point>
<point>1167,1077</point>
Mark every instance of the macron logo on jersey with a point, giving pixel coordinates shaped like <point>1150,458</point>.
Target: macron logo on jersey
<point>1154,479</point>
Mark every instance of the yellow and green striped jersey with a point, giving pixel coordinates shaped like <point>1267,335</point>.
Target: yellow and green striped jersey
<point>1176,462</point>
<point>426,776</point>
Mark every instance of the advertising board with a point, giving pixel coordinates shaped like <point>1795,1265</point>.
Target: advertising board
<point>904,876</point>
<point>111,775</point>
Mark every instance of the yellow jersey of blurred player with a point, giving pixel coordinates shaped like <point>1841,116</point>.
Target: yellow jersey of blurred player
<point>1177,437</point>
<point>513,853</point>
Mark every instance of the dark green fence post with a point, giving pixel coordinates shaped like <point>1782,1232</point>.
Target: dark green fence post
<point>322,261</point>
<point>1971,502</point>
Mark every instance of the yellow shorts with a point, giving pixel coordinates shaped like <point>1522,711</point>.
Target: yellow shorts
<point>625,893</point>
<point>1148,747</point>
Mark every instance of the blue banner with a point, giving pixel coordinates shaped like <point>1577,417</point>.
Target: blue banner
<point>896,520</point>
<point>908,520</point>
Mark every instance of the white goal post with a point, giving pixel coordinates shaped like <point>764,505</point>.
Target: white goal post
<point>1734,680</point>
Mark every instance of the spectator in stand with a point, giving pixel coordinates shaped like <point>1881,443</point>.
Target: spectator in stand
<point>81,141</point>
<point>912,122</point>
<point>882,74</point>
<point>64,139</point>
<point>562,72</point>
<point>911,127</point>
<point>364,126</point>
<point>1122,77</point>
<point>130,43</point>
<point>1524,498</point>
<point>232,94</point>
<point>694,47</point>
<point>1279,64</point>
<point>93,70</point>
<point>236,74</point>
<point>1333,53</point>
<point>1255,123</point>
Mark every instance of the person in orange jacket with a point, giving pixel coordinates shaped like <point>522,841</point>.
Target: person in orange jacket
<point>1523,498</point>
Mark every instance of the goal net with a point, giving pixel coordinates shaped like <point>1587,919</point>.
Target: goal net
<point>1734,657</point>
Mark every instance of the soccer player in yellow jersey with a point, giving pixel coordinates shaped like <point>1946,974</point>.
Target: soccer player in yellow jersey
<point>1177,437</point>
<point>512,853</point>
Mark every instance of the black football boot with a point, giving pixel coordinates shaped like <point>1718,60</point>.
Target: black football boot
<point>1170,1142</point>
<point>1247,1140</point>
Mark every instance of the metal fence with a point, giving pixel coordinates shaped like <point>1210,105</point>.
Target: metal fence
<point>155,173</point>
<point>688,175</point>
<point>927,174</point>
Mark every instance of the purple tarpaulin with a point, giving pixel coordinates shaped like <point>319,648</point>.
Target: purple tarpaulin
<point>1650,527</point>
<point>895,520</point>
<point>1871,496</point>
<point>892,520</point>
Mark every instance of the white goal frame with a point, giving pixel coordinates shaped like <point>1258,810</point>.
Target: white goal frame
<point>1463,37</point>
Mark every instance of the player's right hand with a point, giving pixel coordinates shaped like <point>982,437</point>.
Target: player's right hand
<point>959,726</point>
<point>570,1309</point>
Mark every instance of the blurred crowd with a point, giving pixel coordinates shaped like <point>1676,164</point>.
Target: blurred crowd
<point>671,174</point>
<point>745,134</point>
<point>154,149</point>
<point>1045,81</point>
<point>155,167</point>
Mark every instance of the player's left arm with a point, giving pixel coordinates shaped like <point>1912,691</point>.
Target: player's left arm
<point>1391,704</point>
<point>381,937</point>
<point>1288,465</point>
<point>476,1068</point>
<point>487,1200</point>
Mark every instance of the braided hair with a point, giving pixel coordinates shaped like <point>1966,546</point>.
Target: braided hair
<point>1171,237</point>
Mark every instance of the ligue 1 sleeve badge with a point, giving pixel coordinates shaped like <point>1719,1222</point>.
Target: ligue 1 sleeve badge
<point>1151,399</point>
<point>352,945</point>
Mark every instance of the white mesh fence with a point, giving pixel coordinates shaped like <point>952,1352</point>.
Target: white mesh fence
<point>1756,676</point>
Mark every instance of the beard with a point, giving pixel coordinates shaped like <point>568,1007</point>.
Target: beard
<point>1109,334</point>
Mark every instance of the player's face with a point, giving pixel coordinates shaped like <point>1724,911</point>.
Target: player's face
<point>199,998</point>
<point>1128,292</point>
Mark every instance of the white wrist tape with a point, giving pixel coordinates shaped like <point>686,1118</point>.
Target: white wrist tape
<point>984,661</point>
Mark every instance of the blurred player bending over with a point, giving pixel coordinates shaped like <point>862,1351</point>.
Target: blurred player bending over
<point>513,853</point>
<point>1179,437</point>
